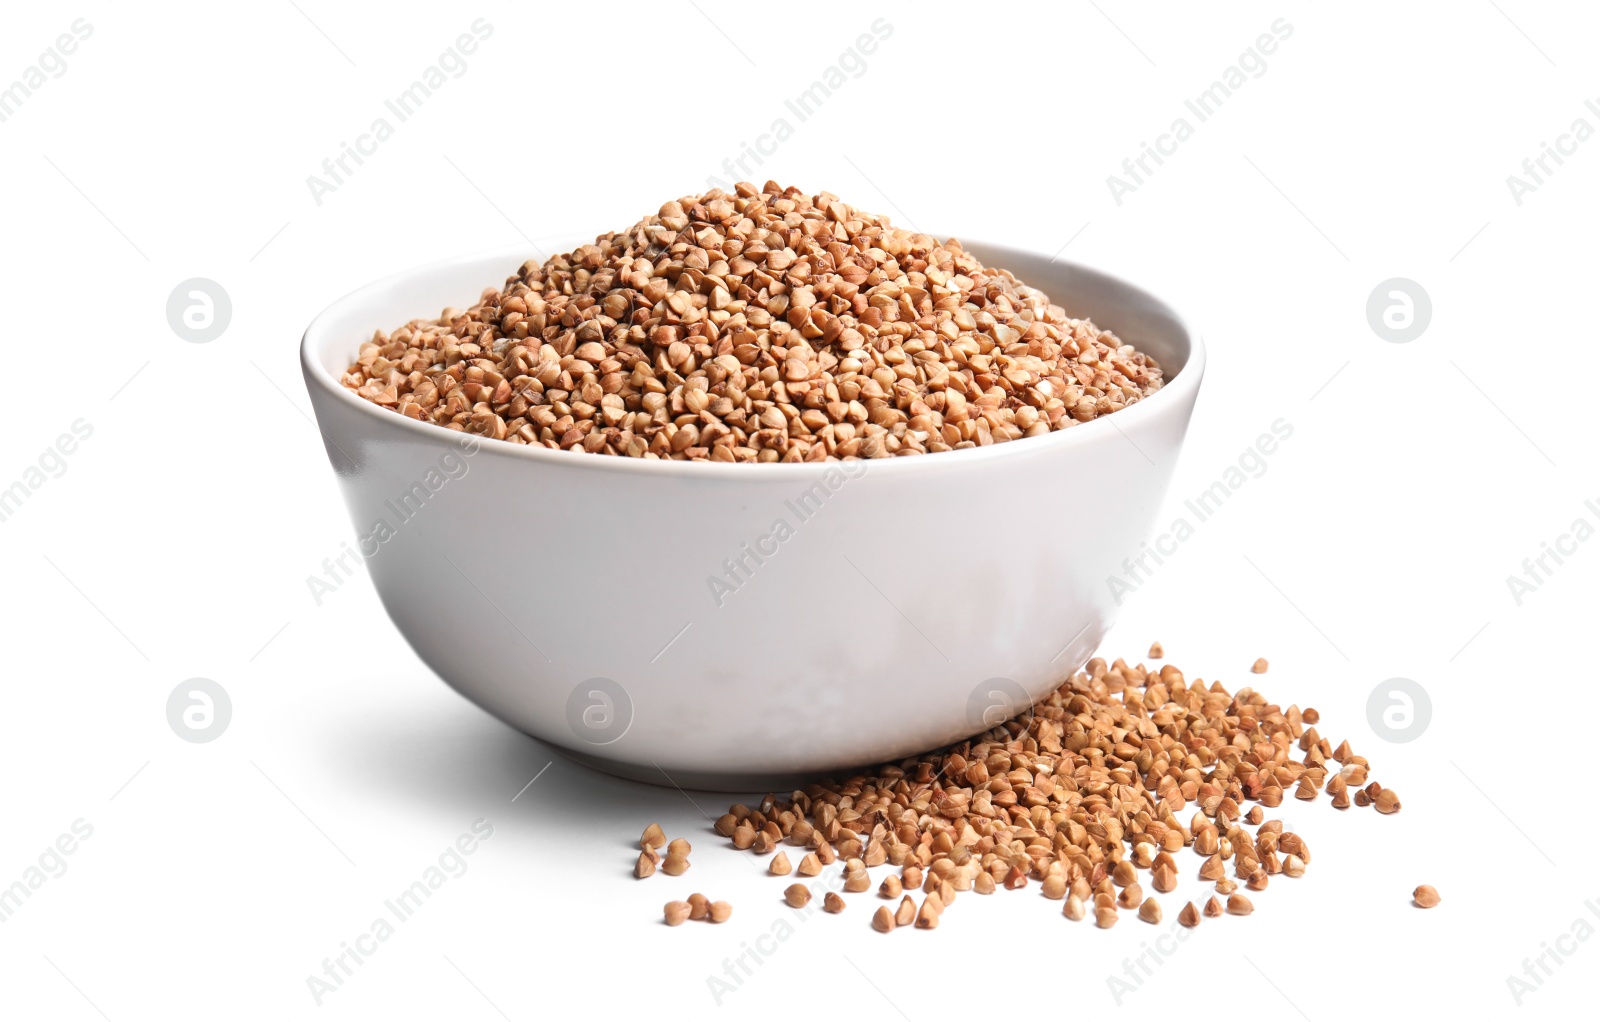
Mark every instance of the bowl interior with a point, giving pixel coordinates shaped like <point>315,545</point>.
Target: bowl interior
<point>335,337</point>
<point>1132,314</point>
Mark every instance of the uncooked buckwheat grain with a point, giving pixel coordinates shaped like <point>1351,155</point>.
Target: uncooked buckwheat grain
<point>765,325</point>
<point>1081,792</point>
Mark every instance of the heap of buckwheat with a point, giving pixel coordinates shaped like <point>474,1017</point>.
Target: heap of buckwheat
<point>766,325</point>
<point>1082,794</point>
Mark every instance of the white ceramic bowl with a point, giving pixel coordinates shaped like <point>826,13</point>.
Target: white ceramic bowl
<point>882,608</point>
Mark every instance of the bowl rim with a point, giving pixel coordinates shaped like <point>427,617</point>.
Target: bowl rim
<point>1182,387</point>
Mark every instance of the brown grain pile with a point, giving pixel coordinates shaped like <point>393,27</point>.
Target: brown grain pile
<point>1083,794</point>
<point>766,325</point>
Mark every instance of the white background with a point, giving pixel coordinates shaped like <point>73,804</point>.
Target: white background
<point>1376,545</point>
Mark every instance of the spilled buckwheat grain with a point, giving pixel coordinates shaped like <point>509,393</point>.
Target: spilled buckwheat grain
<point>1081,792</point>
<point>763,325</point>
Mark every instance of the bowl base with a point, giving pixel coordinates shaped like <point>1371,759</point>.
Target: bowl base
<point>734,783</point>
